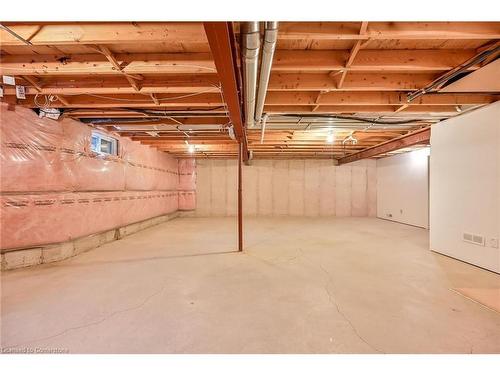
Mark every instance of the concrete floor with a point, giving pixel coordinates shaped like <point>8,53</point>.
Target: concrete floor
<point>319,285</point>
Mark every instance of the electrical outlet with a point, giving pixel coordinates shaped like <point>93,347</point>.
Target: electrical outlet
<point>388,215</point>
<point>494,242</point>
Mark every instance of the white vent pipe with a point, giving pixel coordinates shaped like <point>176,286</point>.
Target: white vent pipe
<point>270,38</point>
<point>251,44</point>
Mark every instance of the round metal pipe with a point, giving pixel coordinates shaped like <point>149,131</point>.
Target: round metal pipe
<point>270,39</point>
<point>251,44</point>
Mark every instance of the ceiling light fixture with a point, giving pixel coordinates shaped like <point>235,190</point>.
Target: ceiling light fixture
<point>330,138</point>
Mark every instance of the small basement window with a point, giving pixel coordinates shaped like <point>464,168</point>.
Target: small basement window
<point>103,144</point>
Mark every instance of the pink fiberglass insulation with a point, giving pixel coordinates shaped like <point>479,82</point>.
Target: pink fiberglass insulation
<point>187,184</point>
<point>30,160</point>
<point>187,174</point>
<point>46,155</point>
<point>187,200</point>
<point>38,219</point>
<point>54,188</point>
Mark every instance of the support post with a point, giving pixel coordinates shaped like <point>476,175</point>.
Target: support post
<point>240,198</point>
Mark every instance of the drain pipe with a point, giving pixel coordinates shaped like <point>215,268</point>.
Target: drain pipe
<point>251,43</point>
<point>270,38</point>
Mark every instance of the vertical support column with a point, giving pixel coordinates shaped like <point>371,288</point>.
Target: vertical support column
<point>240,198</point>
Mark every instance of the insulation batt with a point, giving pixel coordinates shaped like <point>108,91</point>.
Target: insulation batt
<point>187,184</point>
<point>54,188</point>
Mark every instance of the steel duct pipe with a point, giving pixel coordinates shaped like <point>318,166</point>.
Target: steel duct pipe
<point>251,44</point>
<point>270,38</point>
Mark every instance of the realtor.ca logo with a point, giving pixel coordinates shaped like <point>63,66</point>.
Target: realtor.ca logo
<point>34,350</point>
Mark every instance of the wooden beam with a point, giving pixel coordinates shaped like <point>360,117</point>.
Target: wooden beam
<point>444,111</point>
<point>155,99</point>
<point>134,101</point>
<point>190,121</point>
<point>389,30</point>
<point>417,137</point>
<point>94,64</point>
<point>369,81</point>
<point>105,33</point>
<point>63,100</point>
<point>374,98</point>
<point>401,108</point>
<point>33,83</point>
<point>370,60</point>
<point>277,98</point>
<point>352,55</point>
<point>111,58</point>
<point>107,84</point>
<point>202,63</point>
<point>317,100</point>
<point>220,37</point>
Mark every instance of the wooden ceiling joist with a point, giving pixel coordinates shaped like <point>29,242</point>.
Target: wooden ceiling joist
<point>354,81</point>
<point>104,33</point>
<point>71,85</point>
<point>373,98</point>
<point>422,136</point>
<point>389,30</point>
<point>352,55</point>
<point>370,60</point>
<point>98,64</point>
<point>181,80</point>
<point>111,58</point>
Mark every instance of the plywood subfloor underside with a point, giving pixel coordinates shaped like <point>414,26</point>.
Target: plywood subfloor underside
<point>317,285</point>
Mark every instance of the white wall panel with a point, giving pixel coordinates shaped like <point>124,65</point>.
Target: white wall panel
<point>359,191</point>
<point>287,187</point>
<point>311,190</point>
<point>203,187</point>
<point>250,189</point>
<point>265,187</point>
<point>403,188</point>
<point>231,187</point>
<point>280,187</point>
<point>343,191</point>
<point>465,186</point>
<point>326,187</point>
<point>296,188</point>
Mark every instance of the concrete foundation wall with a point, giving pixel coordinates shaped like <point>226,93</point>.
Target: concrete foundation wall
<point>287,187</point>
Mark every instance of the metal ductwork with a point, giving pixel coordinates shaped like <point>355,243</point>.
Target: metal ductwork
<point>250,55</point>
<point>270,38</point>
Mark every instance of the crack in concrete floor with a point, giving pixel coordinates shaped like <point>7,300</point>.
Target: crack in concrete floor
<point>329,282</point>
<point>96,322</point>
<point>354,331</point>
<point>334,303</point>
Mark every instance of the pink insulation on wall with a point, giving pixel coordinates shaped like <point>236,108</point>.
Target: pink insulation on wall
<point>54,188</point>
<point>187,184</point>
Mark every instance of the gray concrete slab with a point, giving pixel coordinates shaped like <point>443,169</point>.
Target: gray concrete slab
<point>303,285</point>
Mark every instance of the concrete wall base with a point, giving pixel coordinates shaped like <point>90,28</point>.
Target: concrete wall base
<point>19,258</point>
